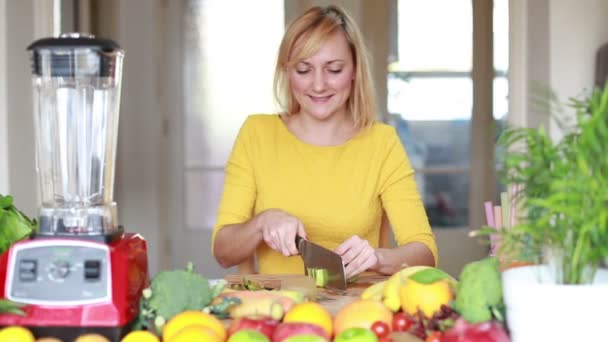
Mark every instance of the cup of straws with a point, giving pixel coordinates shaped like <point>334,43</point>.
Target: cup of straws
<point>500,216</point>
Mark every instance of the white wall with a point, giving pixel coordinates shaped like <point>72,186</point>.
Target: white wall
<point>577,32</point>
<point>4,175</point>
<point>553,43</point>
<point>21,28</point>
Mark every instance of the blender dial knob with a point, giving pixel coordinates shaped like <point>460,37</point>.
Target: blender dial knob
<point>60,269</point>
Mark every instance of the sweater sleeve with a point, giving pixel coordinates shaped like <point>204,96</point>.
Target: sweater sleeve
<point>400,198</point>
<point>238,197</point>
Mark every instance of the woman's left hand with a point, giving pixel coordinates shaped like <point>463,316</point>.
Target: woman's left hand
<point>357,254</point>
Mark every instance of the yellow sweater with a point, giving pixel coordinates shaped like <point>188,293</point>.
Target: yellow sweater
<point>336,191</point>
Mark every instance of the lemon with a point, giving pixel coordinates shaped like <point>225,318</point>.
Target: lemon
<point>427,298</point>
<point>140,336</point>
<point>310,312</point>
<point>92,337</point>
<point>16,334</point>
<point>194,333</point>
<point>193,317</point>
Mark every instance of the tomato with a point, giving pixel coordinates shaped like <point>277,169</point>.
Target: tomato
<point>381,329</point>
<point>435,336</point>
<point>402,321</point>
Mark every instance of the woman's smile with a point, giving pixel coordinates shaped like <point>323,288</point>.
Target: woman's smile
<point>320,99</point>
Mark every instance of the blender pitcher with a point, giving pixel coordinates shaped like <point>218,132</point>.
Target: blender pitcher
<point>76,82</point>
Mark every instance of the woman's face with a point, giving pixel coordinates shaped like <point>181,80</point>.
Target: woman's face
<point>322,83</point>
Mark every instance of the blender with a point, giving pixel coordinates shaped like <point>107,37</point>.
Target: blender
<point>80,272</point>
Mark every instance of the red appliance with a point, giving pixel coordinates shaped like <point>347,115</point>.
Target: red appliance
<point>80,272</point>
<point>75,286</point>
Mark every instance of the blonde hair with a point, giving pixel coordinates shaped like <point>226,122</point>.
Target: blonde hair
<point>303,38</point>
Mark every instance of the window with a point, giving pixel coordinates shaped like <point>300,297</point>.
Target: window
<point>227,75</point>
<point>430,98</point>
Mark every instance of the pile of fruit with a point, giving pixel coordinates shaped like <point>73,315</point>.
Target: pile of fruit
<point>431,305</point>
<point>418,303</point>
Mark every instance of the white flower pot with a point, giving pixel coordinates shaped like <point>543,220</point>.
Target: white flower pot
<point>538,309</point>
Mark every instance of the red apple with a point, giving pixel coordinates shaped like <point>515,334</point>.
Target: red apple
<point>286,330</point>
<point>491,331</point>
<point>264,325</point>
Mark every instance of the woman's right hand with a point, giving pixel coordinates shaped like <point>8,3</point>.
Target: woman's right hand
<point>279,230</point>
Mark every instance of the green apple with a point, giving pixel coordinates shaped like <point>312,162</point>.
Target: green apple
<point>305,338</point>
<point>248,335</point>
<point>356,335</point>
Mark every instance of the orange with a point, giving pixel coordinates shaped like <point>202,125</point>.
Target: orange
<point>361,313</point>
<point>310,312</point>
<point>140,336</point>
<point>427,298</point>
<point>193,317</point>
<point>193,333</point>
<point>16,334</point>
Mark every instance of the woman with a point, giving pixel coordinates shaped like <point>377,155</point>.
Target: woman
<point>323,169</point>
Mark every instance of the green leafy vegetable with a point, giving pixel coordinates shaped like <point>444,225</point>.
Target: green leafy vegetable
<point>174,291</point>
<point>9,307</point>
<point>14,225</point>
<point>248,285</point>
<point>479,291</point>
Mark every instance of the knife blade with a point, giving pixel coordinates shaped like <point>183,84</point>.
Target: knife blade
<point>315,256</point>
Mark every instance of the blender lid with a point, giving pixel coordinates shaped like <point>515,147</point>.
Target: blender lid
<point>63,50</point>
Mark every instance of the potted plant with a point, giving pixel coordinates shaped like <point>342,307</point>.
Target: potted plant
<point>561,227</point>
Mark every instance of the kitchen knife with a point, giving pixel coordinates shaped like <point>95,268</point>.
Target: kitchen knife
<point>315,256</point>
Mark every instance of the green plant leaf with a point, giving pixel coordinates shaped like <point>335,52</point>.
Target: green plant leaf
<point>430,275</point>
<point>10,307</point>
<point>14,225</point>
<point>6,201</point>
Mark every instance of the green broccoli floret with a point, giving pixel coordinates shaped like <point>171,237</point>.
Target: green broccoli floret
<point>172,292</point>
<point>479,291</point>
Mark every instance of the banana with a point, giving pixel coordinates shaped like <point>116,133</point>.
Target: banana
<point>374,292</point>
<point>390,294</point>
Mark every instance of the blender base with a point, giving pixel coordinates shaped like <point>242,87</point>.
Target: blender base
<point>47,314</point>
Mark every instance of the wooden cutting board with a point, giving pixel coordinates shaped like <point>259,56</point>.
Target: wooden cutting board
<point>331,300</point>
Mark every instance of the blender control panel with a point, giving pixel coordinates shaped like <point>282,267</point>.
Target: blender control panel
<point>60,271</point>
